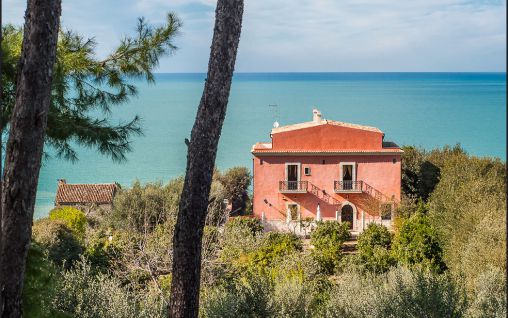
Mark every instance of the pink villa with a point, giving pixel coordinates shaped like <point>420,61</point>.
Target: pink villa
<point>326,170</point>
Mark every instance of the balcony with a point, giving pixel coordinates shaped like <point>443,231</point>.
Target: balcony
<point>348,186</point>
<point>293,186</point>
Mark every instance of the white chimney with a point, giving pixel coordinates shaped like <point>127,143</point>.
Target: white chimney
<point>316,116</point>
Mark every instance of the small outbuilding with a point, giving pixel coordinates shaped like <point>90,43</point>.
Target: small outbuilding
<point>86,197</point>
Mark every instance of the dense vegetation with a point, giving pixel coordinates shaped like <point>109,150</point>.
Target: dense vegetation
<point>445,258</point>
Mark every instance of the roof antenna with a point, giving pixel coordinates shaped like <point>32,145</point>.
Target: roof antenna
<point>274,108</point>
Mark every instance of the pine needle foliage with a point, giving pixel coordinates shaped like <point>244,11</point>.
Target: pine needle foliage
<point>85,88</point>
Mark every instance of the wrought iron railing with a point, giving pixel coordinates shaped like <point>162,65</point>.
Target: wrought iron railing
<point>293,186</point>
<point>348,186</point>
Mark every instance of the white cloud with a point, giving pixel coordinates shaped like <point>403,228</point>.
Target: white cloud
<point>315,35</point>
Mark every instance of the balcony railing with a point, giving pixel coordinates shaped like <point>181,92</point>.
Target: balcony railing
<point>348,186</point>
<point>293,186</point>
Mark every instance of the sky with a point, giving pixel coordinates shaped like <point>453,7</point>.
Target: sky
<point>310,35</point>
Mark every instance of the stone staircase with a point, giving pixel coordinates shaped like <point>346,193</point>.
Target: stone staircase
<point>349,247</point>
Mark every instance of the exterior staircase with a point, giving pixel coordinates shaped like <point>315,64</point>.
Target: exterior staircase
<point>349,247</point>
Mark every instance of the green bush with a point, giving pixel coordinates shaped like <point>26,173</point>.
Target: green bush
<point>39,287</point>
<point>417,243</point>
<point>468,209</point>
<point>327,239</point>
<point>489,296</point>
<point>329,234</point>
<point>401,293</point>
<point>275,246</point>
<point>374,235</point>
<point>236,182</point>
<point>421,169</point>
<point>247,296</point>
<point>142,207</point>
<point>374,248</point>
<point>292,298</point>
<point>60,242</point>
<point>252,224</point>
<point>100,251</point>
<point>74,219</point>
<point>84,294</point>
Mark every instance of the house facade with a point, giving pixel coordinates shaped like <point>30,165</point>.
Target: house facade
<point>326,170</point>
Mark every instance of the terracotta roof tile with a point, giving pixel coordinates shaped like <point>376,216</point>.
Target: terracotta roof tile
<point>85,193</point>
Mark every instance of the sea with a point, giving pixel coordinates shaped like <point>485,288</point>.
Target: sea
<point>423,109</point>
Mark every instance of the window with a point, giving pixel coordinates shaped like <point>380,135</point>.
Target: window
<point>386,211</point>
<point>348,175</point>
<point>394,160</point>
<point>347,171</point>
<point>307,171</point>
<point>293,210</point>
<point>293,176</point>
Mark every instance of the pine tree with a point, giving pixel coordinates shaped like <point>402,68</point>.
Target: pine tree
<point>85,89</point>
<point>24,148</point>
<point>201,155</point>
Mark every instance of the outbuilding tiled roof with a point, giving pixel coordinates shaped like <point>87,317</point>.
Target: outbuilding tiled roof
<point>102,193</point>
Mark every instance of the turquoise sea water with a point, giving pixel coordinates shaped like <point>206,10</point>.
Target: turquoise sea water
<point>425,109</point>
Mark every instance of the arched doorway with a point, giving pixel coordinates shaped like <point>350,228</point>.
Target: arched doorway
<point>347,215</point>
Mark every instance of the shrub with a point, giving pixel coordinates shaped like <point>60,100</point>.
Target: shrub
<point>100,251</point>
<point>421,169</point>
<point>143,207</point>
<point>252,224</point>
<point>248,296</point>
<point>327,239</point>
<point>374,235</point>
<point>489,297</point>
<point>83,294</point>
<point>401,292</point>
<point>74,219</point>
<point>329,234</point>
<point>374,248</point>
<point>275,246</point>
<point>236,182</point>
<point>60,242</point>
<point>39,286</point>
<point>468,209</point>
<point>292,298</point>
<point>418,243</point>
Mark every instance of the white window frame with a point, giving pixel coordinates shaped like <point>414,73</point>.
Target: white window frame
<point>298,170</point>
<point>288,216</point>
<point>341,169</point>
<point>310,171</point>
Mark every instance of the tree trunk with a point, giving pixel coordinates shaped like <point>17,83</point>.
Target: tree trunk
<point>24,148</point>
<point>202,151</point>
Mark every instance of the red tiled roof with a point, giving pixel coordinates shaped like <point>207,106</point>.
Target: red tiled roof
<point>85,193</point>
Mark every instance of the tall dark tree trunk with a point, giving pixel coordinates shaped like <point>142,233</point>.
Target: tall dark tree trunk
<point>24,148</point>
<point>202,150</point>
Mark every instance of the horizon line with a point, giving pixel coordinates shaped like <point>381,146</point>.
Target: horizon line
<point>346,72</point>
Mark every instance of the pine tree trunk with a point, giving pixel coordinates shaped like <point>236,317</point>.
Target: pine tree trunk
<point>24,148</point>
<point>202,151</point>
